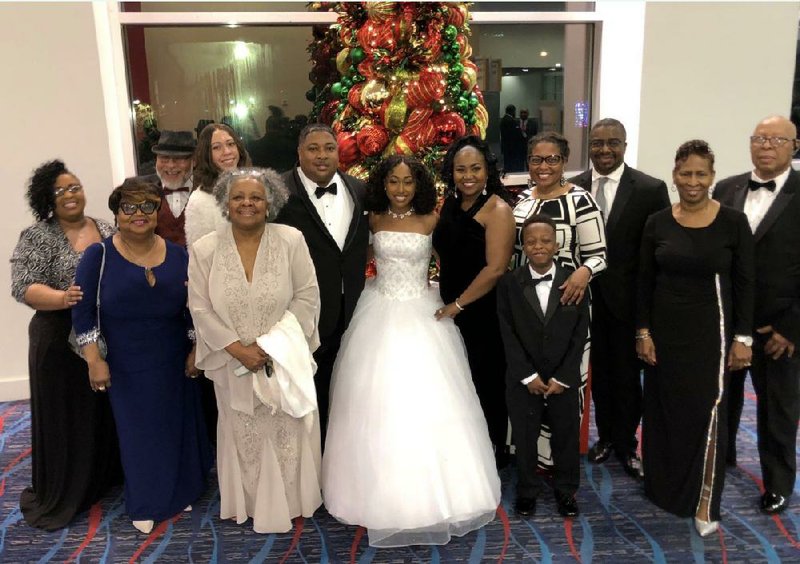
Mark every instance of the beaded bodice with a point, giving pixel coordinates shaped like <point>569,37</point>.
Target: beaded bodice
<point>402,261</point>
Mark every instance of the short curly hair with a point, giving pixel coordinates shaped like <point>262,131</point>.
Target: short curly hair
<point>424,200</point>
<point>41,188</point>
<point>134,188</point>
<point>696,147</point>
<point>275,190</point>
<point>493,183</point>
<point>550,137</point>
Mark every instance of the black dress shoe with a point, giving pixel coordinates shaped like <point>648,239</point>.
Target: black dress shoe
<point>525,506</point>
<point>773,503</point>
<point>600,452</point>
<point>632,465</point>
<point>567,505</point>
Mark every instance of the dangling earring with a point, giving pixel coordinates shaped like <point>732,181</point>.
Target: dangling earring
<point>562,181</point>
<point>484,192</point>
<point>673,187</point>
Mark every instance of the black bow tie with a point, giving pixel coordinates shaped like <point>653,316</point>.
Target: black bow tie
<point>769,185</point>
<point>181,189</point>
<point>545,278</point>
<point>322,190</point>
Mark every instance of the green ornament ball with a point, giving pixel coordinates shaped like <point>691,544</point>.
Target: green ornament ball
<point>450,32</point>
<point>336,89</point>
<point>347,82</point>
<point>357,55</point>
<point>456,70</point>
<point>473,101</point>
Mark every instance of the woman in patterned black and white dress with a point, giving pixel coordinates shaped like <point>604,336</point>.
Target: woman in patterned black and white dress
<point>580,231</point>
<point>75,454</point>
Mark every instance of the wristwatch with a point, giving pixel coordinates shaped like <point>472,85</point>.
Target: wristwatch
<point>744,339</point>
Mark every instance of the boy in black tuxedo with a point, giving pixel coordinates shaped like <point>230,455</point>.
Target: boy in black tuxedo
<point>544,341</point>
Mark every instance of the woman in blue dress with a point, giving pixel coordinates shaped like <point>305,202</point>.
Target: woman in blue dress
<point>149,369</point>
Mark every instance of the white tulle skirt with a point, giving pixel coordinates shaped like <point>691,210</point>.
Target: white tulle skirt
<point>407,453</point>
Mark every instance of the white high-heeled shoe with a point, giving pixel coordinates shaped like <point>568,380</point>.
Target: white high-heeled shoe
<point>145,527</point>
<point>705,528</point>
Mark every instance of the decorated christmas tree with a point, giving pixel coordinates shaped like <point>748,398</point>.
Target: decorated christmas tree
<point>395,77</point>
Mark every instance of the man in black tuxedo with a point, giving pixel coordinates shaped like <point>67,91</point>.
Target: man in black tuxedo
<point>544,341</point>
<point>626,197</point>
<point>770,197</point>
<point>328,207</point>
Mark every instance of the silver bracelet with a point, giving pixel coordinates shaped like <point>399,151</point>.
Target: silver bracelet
<point>458,305</point>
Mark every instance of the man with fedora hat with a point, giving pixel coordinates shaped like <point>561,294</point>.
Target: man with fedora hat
<point>173,177</point>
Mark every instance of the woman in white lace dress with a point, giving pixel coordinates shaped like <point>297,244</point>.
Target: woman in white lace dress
<point>407,453</point>
<point>255,303</point>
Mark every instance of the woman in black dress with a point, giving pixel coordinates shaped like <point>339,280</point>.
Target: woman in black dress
<point>696,296</point>
<point>474,240</point>
<point>75,456</point>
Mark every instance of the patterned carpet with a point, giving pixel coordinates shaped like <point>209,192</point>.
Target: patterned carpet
<point>616,524</point>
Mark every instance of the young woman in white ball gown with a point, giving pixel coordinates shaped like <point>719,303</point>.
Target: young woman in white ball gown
<point>407,453</point>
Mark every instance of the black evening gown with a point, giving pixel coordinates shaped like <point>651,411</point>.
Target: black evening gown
<point>74,449</point>
<point>696,290</point>
<point>460,242</point>
<point>73,438</point>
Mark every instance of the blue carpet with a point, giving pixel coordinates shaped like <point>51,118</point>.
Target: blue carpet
<point>616,523</point>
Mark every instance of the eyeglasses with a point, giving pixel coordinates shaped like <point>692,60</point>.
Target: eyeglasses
<point>147,207</point>
<point>600,143</point>
<point>549,159</point>
<point>774,141</point>
<point>72,189</point>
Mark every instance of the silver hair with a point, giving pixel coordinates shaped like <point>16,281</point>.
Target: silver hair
<point>276,192</point>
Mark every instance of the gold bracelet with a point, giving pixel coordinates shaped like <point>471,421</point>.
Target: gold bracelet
<point>458,305</point>
<point>642,336</point>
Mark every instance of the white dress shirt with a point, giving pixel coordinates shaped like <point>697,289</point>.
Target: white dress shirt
<point>543,293</point>
<point>177,200</point>
<point>610,188</point>
<point>757,202</point>
<point>336,211</point>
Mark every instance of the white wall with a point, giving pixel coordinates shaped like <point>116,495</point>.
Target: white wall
<point>52,107</point>
<point>712,71</point>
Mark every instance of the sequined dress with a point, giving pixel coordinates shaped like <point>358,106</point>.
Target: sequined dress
<point>407,454</point>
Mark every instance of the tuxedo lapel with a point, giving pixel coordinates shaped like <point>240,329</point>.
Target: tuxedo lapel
<point>624,192</point>
<point>740,193</point>
<point>555,294</point>
<point>312,211</point>
<point>529,292</point>
<point>357,212</point>
<point>782,200</point>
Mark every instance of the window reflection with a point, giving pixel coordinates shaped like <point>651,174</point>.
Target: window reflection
<point>255,79</point>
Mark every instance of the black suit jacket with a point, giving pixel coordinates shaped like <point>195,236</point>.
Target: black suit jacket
<point>337,269</point>
<point>550,342</point>
<point>777,262</point>
<point>638,196</point>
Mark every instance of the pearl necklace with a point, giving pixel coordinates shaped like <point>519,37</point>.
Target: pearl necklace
<point>400,215</point>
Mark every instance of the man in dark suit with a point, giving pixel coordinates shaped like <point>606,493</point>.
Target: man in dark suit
<point>328,208</point>
<point>626,197</point>
<point>527,125</point>
<point>511,140</point>
<point>544,341</point>
<point>173,177</point>
<point>770,197</point>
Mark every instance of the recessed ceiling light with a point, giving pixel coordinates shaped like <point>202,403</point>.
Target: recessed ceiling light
<point>542,53</point>
<point>524,70</point>
<point>558,65</point>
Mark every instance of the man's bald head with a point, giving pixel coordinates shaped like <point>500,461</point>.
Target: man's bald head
<point>772,145</point>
